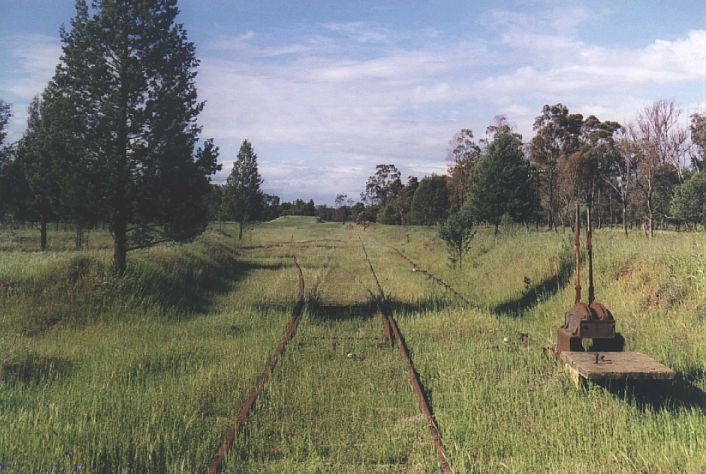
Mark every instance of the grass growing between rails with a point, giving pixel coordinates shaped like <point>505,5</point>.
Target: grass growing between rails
<point>507,406</point>
<point>339,400</point>
<point>146,372</point>
<point>136,374</point>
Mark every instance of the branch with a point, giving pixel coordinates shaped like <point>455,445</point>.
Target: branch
<point>148,244</point>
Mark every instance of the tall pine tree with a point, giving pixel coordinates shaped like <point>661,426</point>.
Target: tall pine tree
<point>39,152</point>
<point>242,195</point>
<point>430,203</point>
<point>501,183</point>
<point>129,71</point>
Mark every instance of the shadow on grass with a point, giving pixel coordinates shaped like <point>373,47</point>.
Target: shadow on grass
<point>192,289</point>
<point>174,284</point>
<point>320,311</point>
<point>31,368</point>
<point>672,395</point>
<point>547,287</point>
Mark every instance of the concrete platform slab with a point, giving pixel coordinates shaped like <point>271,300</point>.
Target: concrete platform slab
<point>623,366</point>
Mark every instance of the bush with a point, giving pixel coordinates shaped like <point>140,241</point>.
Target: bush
<point>457,232</point>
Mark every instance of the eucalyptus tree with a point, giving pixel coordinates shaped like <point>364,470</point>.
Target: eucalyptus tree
<point>557,137</point>
<point>384,186</point>
<point>464,154</point>
<point>658,141</point>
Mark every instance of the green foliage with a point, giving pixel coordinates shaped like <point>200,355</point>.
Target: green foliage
<point>242,195</point>
<point>403,203</point>
<point>14,191</point>
<point>383,186</point>
<point>501,182</point>
<point>688,202</point>
<point>698,137</point>
<point>5,114</point>
<point>128,72</point>
<point>464,154</point>
<point>457,233</point>
<point>557,136</point>
<point>46,154</point>
<point>388,215</point>
<point>430,204</point>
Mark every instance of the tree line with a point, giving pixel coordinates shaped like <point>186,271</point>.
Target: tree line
<point>114,140</point>
<point>647,174</point>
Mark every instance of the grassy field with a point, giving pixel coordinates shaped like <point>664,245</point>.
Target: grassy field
<point>145,373</point>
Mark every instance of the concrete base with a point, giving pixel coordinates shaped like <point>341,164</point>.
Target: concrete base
<point>618,366</point>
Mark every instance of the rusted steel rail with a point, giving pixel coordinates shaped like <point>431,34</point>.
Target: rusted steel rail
<point>424,404</point>
<point>216,462</point>
<point>380,297</point>
<point>431,276</point>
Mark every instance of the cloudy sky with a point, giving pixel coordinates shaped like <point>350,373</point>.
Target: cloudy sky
<point>326,90</point>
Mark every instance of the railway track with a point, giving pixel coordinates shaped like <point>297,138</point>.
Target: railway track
<point>214,465</point>
<point>431,276</point>
<point>393,334</point>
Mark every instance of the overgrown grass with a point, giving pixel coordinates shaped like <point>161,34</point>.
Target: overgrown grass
<point>139,373</point>
<point>145,373</point>
<point>339,401</point>
<point>508,406</point>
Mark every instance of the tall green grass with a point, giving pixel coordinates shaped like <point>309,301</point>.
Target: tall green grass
<point>144,373</point>
<point>141,373</point>
<point>508,406</point>
<point>339,401</point>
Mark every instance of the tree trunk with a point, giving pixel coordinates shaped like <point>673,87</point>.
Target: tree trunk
<point>497,224</point>
<point>120,246</point>
<point>240,230</point>
<point>120,204</point>
<point>79,237</point>
<point>625,219</point>
<point>43,233</point>
<point>552,222</point>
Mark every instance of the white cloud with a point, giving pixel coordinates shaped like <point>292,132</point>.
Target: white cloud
<point>360,32</point>
<point>328,102</point>
<point>34,58</point>
<point>402,105</point>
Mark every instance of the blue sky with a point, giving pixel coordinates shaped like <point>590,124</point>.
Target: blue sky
<point>326,90</point>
